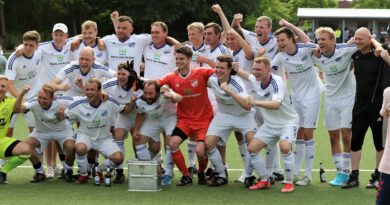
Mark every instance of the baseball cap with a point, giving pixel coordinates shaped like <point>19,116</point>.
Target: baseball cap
<point>61,27</point>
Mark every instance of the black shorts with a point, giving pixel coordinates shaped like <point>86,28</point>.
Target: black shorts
<point>360,125</point>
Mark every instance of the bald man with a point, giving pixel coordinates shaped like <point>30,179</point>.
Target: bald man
<point>368,70</point>
<point>78,72</point>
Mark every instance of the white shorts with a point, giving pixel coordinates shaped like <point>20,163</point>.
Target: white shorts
<point>338,112</point>
<point>125,121</point>
<point>152,127</point>
<point>28,117</point>
<point>308,111</point>
<point>45,137</point>
<point>106,146</point>
<point>270,136</point>
<point>223,124</point>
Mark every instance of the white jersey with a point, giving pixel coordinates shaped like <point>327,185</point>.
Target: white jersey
<point>72,71</point>
<point>95,122</point>
<point>131,49</point>
<point>227,104</point>
<point>212,54</point>
<point>112,88</point>
<point>159,61</point>
<point>275,90</point>
<point>100,56</point>
<point>271,46</point>
<point>161,109</point>
<point>53,60</point>
<point>301,72</point>
<point>24,71</point>
<point>201,51</point>
<point>46,120</point>
<point>245,64</point>
<point>339,80</point>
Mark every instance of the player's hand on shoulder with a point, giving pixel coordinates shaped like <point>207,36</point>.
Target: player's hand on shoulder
<point>164,89</point>
<point>19,50</point>
<point>101,45</point>
<point>60,112</point>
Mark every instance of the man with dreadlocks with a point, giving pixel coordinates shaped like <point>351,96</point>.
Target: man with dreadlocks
<point>123,88</point>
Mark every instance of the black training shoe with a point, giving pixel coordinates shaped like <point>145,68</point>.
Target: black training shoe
<point>278,176</point>
<point>202,179</point>
<point>373,182</point>
<point>219,181</point>
<point>192,171</point>
<point>38,177</point>
<point>3,178</point>
<point>352,182</point>
<point>119,179</point>
<point>185,180</point>
<point>209,172</point>
<point>68,176</point>
<point>62,174</point>
<point>249,181</point>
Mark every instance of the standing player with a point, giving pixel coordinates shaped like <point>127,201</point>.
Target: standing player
<point>194,112</point>
<point>159,56</point>
<point>368,70</point>
<point>234,114</point>
<point>23,70</point>
<point>155,113</point>
<point>77,73</point>
<point>95,117</point>
<point>48,128</point>
<point>15,151</point>
<point>123,45</point>
<point>306,89</point>
<point>195,32</point>
<point>89,38</point>
<point>280,121</point>
<point>123,89</point>
<point>335,61</point>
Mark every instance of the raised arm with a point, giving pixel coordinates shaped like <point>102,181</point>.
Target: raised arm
<point>18,106</point>
<point>225,23</point>
<point>114,18</point>
<point>237,19</point>
<point>244,45</point>
<point>302,35</point>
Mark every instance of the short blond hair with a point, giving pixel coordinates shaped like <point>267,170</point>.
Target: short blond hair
<point>328,30</point>
<point>266,19</point>
<point>48,89</point>
<point>196,25</point>
<point>3,77</point>
<point>264,60</point>
<point>89,24</point>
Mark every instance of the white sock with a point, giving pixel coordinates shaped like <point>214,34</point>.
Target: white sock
<point>168,162</point>
<point>269,161</point>
<point>259,165</point>
<point>243,148</point>
<point>276,168</point>
<point>82,163</point>
<point>309,156</point>
<point>288,164</point>
<point>121,145</point>
<point>105,164</point>
<point>216,159</point>
<point>142,152</point>
<point>67,167</point>
<point>338,162</point>
<point>191,149</point>
<point>346,162</point>
<point>298,155</point>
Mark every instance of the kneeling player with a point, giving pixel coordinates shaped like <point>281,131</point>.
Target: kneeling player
<point>15,151</point>
<point>95,117</point>
<point>48,127</point>
<point>156,113</point>
<point>234,113</point>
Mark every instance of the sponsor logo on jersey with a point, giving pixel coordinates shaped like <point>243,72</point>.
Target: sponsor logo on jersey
<point>187,91</point>
<point>4,112</point>
<point>132,44</point>
<point>194,83</point>
<point>122,52</point>
<point>60,58</point>
<point>333,69</point>
<point>299,67</point>
<point>156,56</point>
